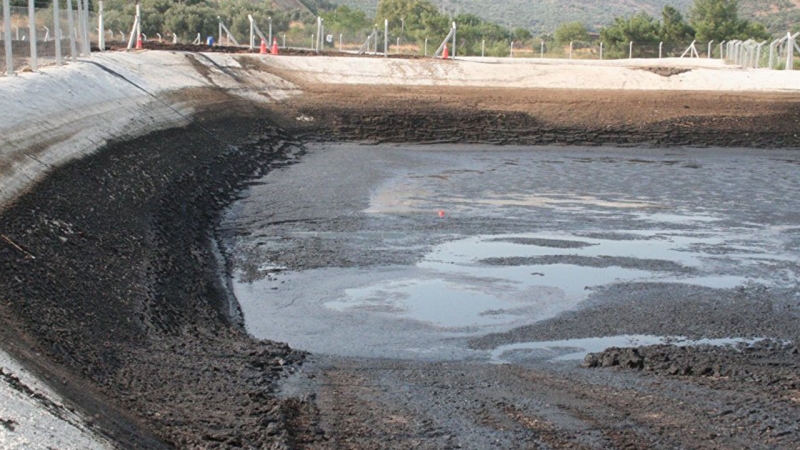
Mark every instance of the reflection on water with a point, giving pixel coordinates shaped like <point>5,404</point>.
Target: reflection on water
<point>454,288</point>
<point>527,234</point>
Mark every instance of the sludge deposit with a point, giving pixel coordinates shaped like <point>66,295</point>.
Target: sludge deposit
<point>250,177</point>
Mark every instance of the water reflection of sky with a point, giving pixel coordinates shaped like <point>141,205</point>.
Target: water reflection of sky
<point>455,288</point>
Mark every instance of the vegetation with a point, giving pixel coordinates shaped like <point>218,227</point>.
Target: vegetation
<point>544,16</point>
<point>415,21</point>
<point>674,29</point>
<point>571,31</point>
<point>640,28</point>
<point>719,20</point>
<point>189,17</point>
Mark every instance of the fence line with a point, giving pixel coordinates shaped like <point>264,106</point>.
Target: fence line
<point>34,37</point>
<point>52,33</point>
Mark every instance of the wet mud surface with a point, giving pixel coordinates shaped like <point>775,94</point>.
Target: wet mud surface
<point>593,243</point>
<point>110,270</point>
<point>112,275</point>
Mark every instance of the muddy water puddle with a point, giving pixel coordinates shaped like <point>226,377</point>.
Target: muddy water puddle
<point>410,252</point>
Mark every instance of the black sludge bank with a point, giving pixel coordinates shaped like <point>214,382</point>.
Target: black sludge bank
<point>109,270</point>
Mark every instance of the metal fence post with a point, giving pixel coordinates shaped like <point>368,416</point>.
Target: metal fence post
<point>32,33</point>
<point>341,42</point>
<point>426,46</point>
<point>570,49</point>
<point>454,40</point>
<point>82,47</point>
<point>721,53</point>
<point>270,31</point>
<point>252,33</point>
<point>483,48</point>
<point>101,30</point>
<point>511,55</point>
<point>57,31</point>
<point>601,50</point>
<point>87,46</point>
<point>7,37</point>
<point>631,51</point>
<point>542,49</point>
<point>139,22</point>
<point>73,51</point>
<point>660,49</point>
<point>385,38</point>
<point>709,48</point>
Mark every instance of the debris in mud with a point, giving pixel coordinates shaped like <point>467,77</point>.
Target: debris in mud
<point>8,424</point>
<point>770,363</point>
<point>665,71</point>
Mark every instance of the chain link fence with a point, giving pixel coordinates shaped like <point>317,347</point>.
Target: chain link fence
<point>45,36</point>
<point>53,33</point>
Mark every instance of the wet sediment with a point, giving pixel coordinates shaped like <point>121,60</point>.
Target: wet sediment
<point>428,123</point>
<point>108,265</point>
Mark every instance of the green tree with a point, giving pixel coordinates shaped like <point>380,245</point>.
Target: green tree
<point>571,31</point>
<point>472,31</point>
<point>674,28</point>
<point>719,20</point>
<point>522,34</point>
<point>640,28</point>
<point>344,19</point>
<point>417,18</point>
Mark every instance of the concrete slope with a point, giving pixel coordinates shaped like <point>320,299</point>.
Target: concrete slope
<point>636,74</point>
<point>58,114</point>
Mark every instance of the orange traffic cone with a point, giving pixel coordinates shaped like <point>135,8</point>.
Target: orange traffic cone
<point>263,47</point>
<point>445,53</point>
<point>274,46</point>
<point>139,42</point>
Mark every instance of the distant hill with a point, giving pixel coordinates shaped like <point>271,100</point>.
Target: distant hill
<point>544,16</point>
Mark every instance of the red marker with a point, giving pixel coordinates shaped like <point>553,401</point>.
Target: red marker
<point>441,213</point>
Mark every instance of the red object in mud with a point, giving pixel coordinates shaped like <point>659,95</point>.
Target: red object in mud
<point>445,53</point>
<point>139,42</point>
<point>441,213</point>
<point>274,46</point>
<point>263,47</point>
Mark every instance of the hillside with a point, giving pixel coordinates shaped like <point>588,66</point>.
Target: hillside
<point>544,16</point>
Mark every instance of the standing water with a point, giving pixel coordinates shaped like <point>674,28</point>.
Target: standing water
<point>410,252</point>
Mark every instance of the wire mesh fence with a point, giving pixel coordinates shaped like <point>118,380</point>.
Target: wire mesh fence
<point>46,36</point>
<point>61,31</point>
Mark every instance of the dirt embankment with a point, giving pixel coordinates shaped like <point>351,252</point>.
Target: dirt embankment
<point>543,117</point>
<point>109,267</point>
